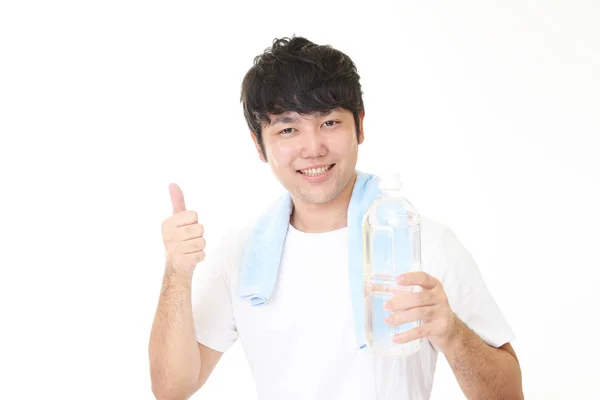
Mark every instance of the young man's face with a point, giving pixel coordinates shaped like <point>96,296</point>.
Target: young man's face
<point>313,156</point>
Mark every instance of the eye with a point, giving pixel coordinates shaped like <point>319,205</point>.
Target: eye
<point>286,131</point>
<point>334,122</point>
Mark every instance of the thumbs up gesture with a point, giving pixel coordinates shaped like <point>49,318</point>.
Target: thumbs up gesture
<point>182,236</point>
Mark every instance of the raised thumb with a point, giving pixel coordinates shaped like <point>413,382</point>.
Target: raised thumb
<point>177,199</point>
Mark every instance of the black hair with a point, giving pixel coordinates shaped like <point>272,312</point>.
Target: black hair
<point>300,76</point>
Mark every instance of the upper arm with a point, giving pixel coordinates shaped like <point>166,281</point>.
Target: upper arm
<point>212,310</point>
<point>467,292</point>
<point>212,306</point>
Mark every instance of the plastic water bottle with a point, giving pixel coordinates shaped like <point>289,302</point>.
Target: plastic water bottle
<point>391,246</point>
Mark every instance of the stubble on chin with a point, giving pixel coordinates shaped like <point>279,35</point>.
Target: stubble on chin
<point>308,196</point>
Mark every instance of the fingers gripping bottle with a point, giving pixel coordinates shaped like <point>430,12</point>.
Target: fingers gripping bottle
<point>391,246</point>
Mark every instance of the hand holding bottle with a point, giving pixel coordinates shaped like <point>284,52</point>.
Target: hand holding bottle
<point>430,305</point>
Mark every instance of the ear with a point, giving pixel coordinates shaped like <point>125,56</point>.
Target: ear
<point>361,136</point>
<point>256,145</point>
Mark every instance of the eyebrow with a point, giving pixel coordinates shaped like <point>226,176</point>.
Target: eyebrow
<point>287,119</point>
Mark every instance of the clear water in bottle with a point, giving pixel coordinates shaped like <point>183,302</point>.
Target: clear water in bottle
<point>391,246</point>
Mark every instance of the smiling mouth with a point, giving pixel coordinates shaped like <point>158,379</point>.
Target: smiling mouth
<point>315,171</point>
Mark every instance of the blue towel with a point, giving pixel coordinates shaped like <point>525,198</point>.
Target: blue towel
<point>263,250</point>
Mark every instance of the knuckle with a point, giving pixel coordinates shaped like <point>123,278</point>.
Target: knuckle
<point>198,244</point>
<point>429,313</point>
<point>419,330</point>
<point>419,299</point>
<point>428,297</point>
<point>195,257</point>
<point>406,300</point>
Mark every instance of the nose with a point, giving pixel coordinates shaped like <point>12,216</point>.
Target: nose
<point>313,144</point>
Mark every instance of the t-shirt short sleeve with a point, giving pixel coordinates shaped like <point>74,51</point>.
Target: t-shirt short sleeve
<point>467,292</point>
<point>214,323</point>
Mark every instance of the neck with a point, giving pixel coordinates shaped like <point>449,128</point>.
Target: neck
<point>324,217</point>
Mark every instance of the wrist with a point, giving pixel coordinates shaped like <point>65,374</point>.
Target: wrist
<point>456,337</point>
<point>178,276</point>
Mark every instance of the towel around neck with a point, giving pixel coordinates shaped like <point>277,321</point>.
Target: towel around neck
<point>262,252</point>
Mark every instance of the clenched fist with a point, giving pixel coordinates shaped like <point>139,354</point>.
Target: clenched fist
<point>182,235</point>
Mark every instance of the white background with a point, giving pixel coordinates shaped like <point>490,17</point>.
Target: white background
<point>490,110</point>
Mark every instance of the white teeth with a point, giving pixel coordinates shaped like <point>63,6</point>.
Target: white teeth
<point>315,171</point>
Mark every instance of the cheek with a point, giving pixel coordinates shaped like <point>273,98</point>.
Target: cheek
<point>342,144</point>
<point>283,153</point>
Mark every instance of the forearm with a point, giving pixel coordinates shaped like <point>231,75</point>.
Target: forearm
<point>483,371</point>
<point>173,349</point>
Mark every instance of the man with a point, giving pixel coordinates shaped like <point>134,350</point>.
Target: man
<point>303,105</point>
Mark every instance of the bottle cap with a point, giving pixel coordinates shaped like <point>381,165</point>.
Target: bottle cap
<point>389,181</point>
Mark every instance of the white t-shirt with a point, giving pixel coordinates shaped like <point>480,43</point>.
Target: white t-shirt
<point>302,344</point>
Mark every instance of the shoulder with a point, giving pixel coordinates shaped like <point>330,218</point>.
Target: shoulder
<point>446,258</point>
<point>431,230</point>
<point>223,253</point>
<point>439,239</point>
<point>432,233</point>
<point>443,254</point>
<point>232,244</point>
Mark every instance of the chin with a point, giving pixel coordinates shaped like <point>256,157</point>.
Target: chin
<point>317,195</point>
